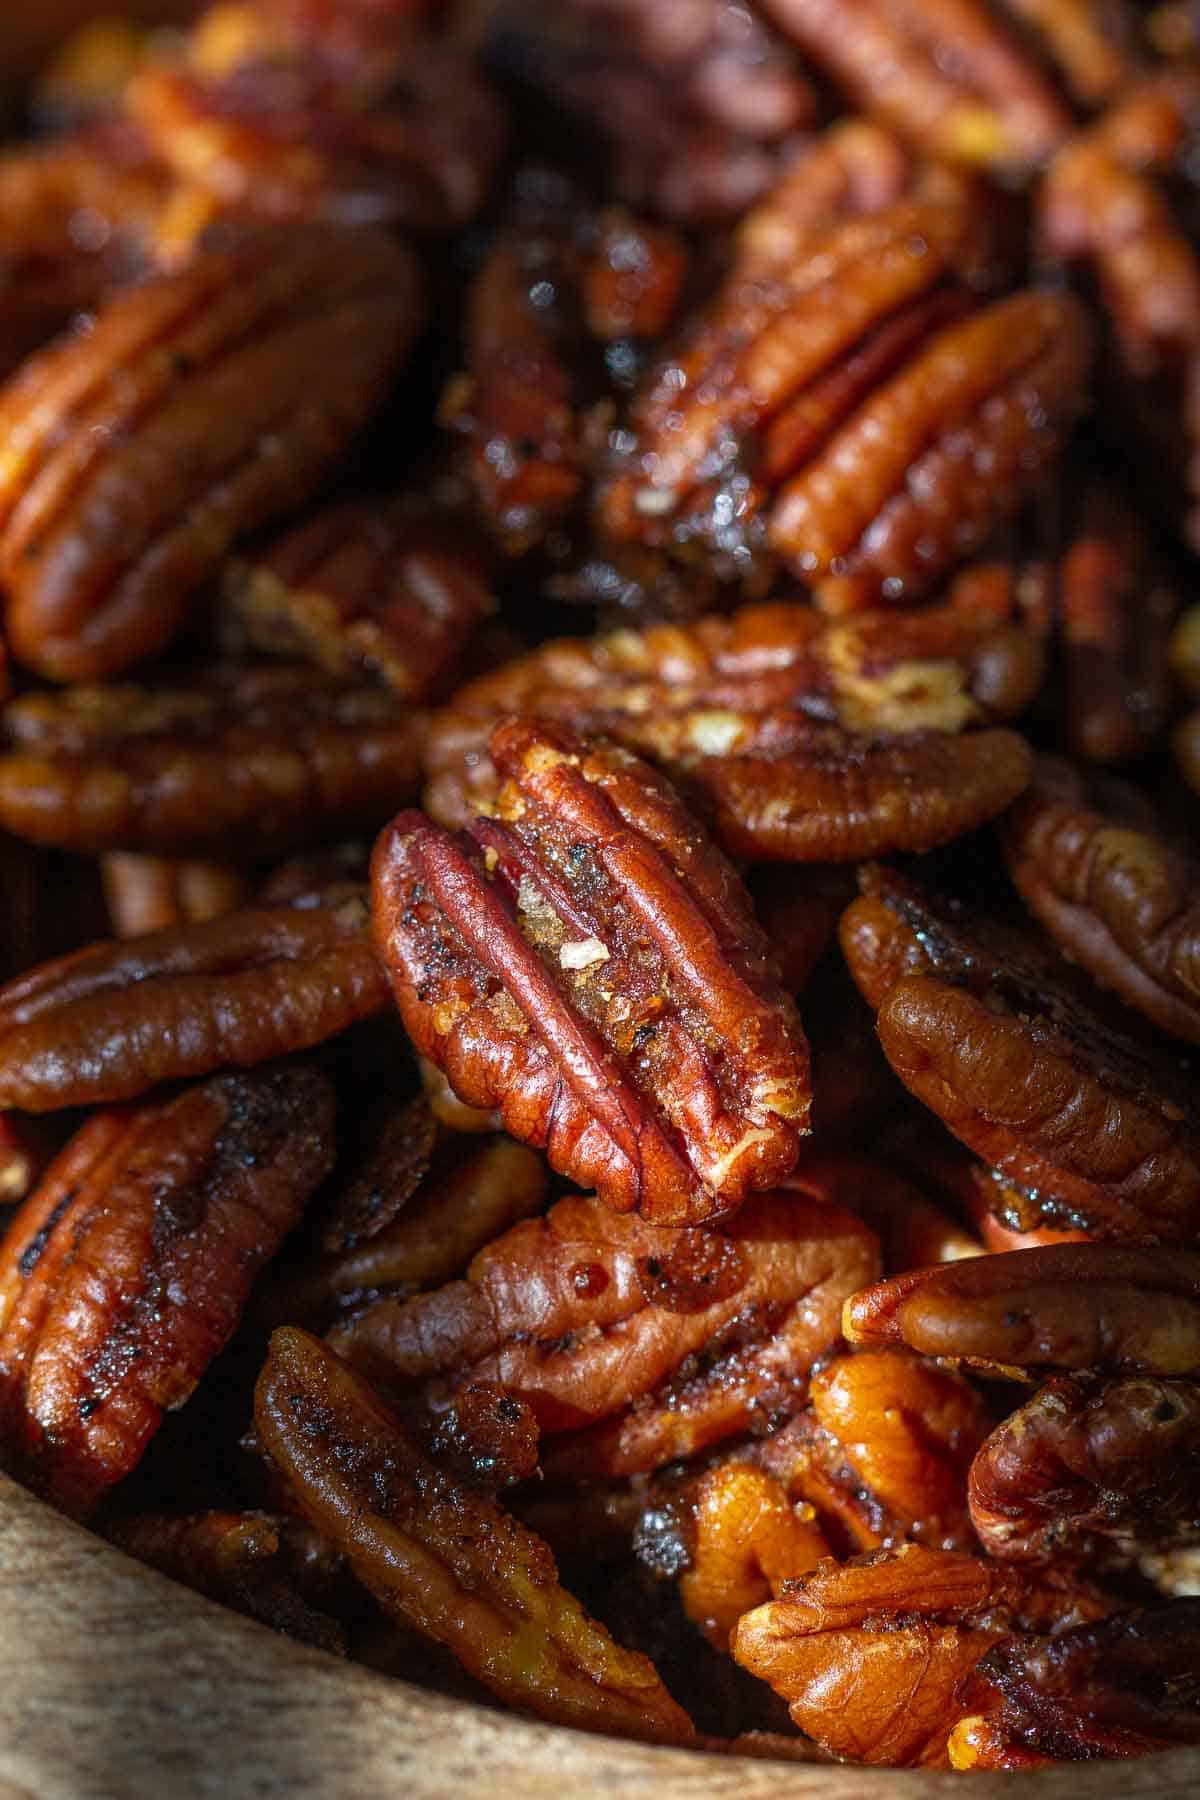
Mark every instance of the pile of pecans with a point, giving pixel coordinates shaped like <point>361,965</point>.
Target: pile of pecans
<point>696,1230</point>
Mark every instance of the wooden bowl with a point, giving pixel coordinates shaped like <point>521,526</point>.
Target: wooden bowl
<point>115,1683</point>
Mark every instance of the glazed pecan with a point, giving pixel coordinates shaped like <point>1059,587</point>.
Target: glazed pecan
<point>194,408</point>
<point>348,114</point>
<point>239,761</point>
<point>363,590</point>
<point>813,739</point>
<point>148,893</point>
<point>1116,895</point>
<point>595,971</point>
<point>870,1656</point>
<point>442,1558</point>
<point>1004,1042</point>
<point>986,103</point>
<point>110,1021</point>
<point>128,1269</point>
<point>270,1567</point>
<point>747,1539</point>
<point>644,1342</point>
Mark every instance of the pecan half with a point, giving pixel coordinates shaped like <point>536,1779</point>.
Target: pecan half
<point>444,1559</point>
<point>747,1539</point>
<point>113,1020</point>
<point>128,1269</point>
<point>240,761</point>
<point>363,590</point>
<point>1116,895</point>
<point>1006,1045</point>
<point>194,408</point>
<point>598,975</point>
<point>870,1656</point>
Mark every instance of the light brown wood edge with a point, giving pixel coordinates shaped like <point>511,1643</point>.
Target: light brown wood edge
<point>116,1683</point>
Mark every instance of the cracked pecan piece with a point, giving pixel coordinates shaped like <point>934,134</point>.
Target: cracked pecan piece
<point>442,1558</point>
<point>365,591</point>
<point>112,1020</point>
<point>1005,1043</point>
<point>1113,891</point>
<point>593,969</point>
<point>870,1655</point>
<point>127,1270</point>
<point>812,739</point>
<point>644,1342</point>
<point>193,408</point>
<point>238,761</point>
<point>347,114</point>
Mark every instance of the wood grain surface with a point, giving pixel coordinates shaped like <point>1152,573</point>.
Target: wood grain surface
<point>116,1682</point>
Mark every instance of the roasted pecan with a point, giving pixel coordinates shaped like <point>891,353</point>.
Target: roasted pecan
<point>195,407</point>
<point>870,1656</point>
<point>1114,892</point>
<point>127,1270</point>
<point>349,114</point>
<point>148,893</point>
<point>111,1021</point>
<point>1121,1307</point>
<point>748,1538</point>
<point>1088,1460</point>
<point>272,1568</point>
<point>363,590</point>
<point>598,975</point>
<point>1005,1044</point>
<point>1125,1686</point>
<point>660,1340</point>
<point>442,1558</point>
<point>241,760</point>
<point>987,103</point>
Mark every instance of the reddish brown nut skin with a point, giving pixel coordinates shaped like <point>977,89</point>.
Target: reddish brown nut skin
<point>1007,1045</point>
<point>128,1269</point>
<point>1114,892</point>
<point>625,1013</point>
<point>1121,1307</point>
<point>443,1558</point>
<point>113,1020</point>
<point>242,761</point>
<point>193,409</point>
<point>590,1316</point>
<point>1088,1460</point>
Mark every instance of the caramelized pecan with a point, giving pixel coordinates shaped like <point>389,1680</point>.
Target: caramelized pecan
<point>598,975</point>
<point>128,1269</point>
<point>870,1656</point>
<point>363,590</point>
<point>1006,1045</point>
<point>748,1538</point>
<point>110,1021</point>
<point>148,893</point>
<point>194,408</point>
<point>241,760</point>
<point>1114,892</point>
<point>660,1340</point>
<point>442,1558</point>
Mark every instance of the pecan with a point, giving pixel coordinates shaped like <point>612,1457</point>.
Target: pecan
<point>988,103</point>
<point>446,1106</point>
<point>148,893</point>
<point>978,1742</point>
<point>1007,1046</point>
<point>269,1567</point>
<point>240,760</point>
<point>748,1539</point>
<point>194,408</point>
<point>1120,1307</point>
<point>443,1559</point>
<point>913,1230</point>
<point>1088,1460</point>
<point>870,1656</point>
<point>598,975</point>
<point>128,1269</point>
<point>346,115</point>
<point>1112,890</point>
<point>110,1021</point>
<point>364,591</point>
<point>799,910</point>
<point>1125,1686</point>
<point>598,1320</point>
<point>814,739</point>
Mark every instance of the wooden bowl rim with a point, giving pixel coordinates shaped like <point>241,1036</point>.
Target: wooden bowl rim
<point>115,1681</point>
